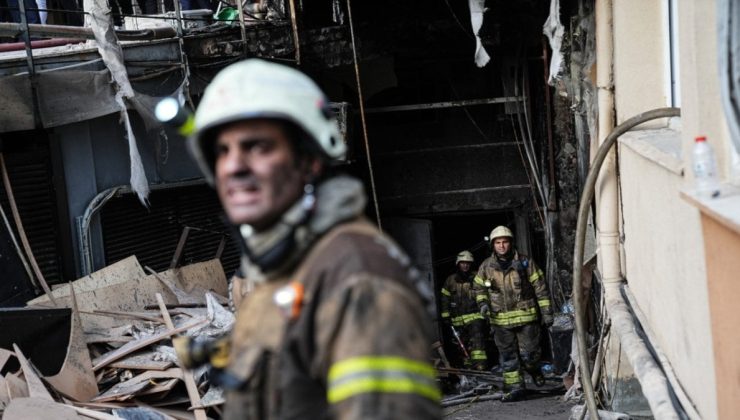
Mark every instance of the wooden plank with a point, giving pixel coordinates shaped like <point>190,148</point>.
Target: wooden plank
<point>118,272</point>
<point>161,387</point>
<point>131,387</point>
<point>144,361</point>
<point>132,346</point>
<point>146,316</point>
<point>38,408</point>
<point>94,414</point>
<point>36,388</point>
<point>190,385</point>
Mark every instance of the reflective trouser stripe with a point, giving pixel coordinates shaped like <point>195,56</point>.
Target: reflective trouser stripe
<point>478,355</point>
<point>445,292</point>
<point>512,378</point>
<point>535,276</point>
<point>543,303</point>
<point>519,316</point>
<point>383,374</point>
<point>466,319</point>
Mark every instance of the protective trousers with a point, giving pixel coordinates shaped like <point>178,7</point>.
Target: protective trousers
<point>512,343</point>
<point>472,336</point>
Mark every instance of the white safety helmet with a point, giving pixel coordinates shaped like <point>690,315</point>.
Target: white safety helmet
<point>500,232</point>
<point>253,89</point>
<point>464,256</point>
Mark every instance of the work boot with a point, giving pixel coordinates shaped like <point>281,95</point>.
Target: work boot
<point>513,395</point>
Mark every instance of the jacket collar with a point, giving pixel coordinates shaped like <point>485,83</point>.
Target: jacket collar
<point>275,251</point>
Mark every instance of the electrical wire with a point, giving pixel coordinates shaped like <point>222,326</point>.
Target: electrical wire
<point>362,114</point>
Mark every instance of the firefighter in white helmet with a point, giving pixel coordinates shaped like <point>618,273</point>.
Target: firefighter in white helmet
<point>511,290</point>
<point>460,314</point>
<point>336,325</point>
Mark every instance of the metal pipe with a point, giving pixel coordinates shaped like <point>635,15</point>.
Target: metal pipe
<point>583,210</point>
<point>296,39</point>
<point>26,38</point>
<point>445,104</point>
<point>42,43</point>
<point>242,28</point>
<point>77,32</point>
<point>361,100</point>
<point>448,148</point>
<point>552,204</point>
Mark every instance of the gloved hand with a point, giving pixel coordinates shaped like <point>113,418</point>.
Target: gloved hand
<point>485,310</point>
<point>547,320</point>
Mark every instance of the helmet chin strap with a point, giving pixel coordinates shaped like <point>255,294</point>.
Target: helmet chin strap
<point>270,249</point>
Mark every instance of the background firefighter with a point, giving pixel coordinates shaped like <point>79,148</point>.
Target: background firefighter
<point>460,310</point>
<point>511,290</point>
<point>335,325</point>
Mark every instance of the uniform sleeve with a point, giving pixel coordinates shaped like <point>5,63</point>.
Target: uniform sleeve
<point>479,287</point>
<point>373,341</point>
<point>537,278</point>
<point>445,296</point>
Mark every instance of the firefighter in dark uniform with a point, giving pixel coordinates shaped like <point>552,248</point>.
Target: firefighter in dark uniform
<point>460,313</point>
<point>511,290</point>
<point>337,324</point>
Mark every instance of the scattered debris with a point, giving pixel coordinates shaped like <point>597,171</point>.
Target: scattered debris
<point>119,362</point>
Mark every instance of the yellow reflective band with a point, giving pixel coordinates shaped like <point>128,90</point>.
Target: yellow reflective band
<point>512,377</point>
<point>446,292</point>
<point>479,280</point>
<point>445,314</point>
<point>543,302</point>
<point>471,317</point>
<point>535,276</point>
<point>386,386</point>
<point>385,374</point>
<point>188,127</point>
<point>481,298</point>
<point>519,316</point>
<point>478,355</point>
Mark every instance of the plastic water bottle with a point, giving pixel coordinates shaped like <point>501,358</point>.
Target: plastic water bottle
<point>705,168</point>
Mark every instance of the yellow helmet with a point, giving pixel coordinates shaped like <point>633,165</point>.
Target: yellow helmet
<point>464,256</point>
<point>500,232</point>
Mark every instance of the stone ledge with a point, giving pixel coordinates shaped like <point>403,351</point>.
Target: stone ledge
<point>725,209</point>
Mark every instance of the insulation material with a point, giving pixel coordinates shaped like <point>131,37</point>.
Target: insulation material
<point>99,18</point>
<point>477,9</point>
<point>553,29</point>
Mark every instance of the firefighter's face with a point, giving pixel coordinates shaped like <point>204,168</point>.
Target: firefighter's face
<point>464,266</point>
<point>502,245</point>
<point>258,176</point>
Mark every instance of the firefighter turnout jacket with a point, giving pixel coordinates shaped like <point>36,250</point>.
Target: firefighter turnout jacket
<point>514,294</point>
<point>458,300</point>
<point>344,334</point>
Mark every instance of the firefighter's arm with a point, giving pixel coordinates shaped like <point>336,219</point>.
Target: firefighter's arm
<point>445,296</point>
<point>481,290</point>
<point>537,278</point>
<point>373,341</point>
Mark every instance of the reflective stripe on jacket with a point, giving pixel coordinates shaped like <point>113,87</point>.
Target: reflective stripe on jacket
<point>458,300</point>
<point>513,301</point>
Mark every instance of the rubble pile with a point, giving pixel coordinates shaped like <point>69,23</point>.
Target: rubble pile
<point>120,362</point>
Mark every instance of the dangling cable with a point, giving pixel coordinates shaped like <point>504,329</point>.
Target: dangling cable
<point>362,114</point>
